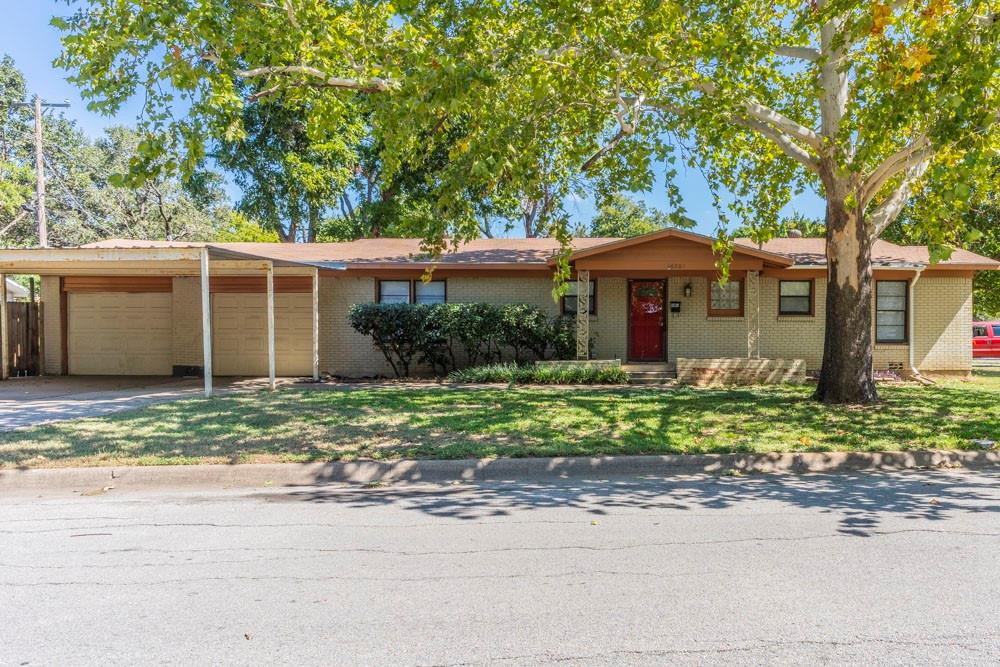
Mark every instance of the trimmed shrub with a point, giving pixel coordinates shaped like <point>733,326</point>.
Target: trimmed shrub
<point>562,338</point>
<point>397,329</point>
<point>449,336</point>
<point>524,329</point>
<point>531,374</point>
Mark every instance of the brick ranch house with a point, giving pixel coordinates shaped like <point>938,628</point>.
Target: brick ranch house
<point>155,308</point>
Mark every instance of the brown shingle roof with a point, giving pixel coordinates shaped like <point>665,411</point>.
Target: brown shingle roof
<point>388,251</point>
<point>812,252</point>
<point>383,250</point>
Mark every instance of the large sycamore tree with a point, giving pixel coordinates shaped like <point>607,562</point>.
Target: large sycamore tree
<point>868,103</point>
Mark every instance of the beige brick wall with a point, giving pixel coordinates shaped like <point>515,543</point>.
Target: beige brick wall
<point>943,312</point>
<point>187,322</point>
<point>609,328</point>
<point>706,372</point>
<point>48,292</point>
<point>791,336</point>
<point>347,353</point>
<point>691,333</point>
<point>343,351</point>
<point>943,308</point>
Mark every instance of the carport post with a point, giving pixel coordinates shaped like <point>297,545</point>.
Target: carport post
<point>5,346</point>
<point>270,325</point>
<point>315,305</point>
<point>206,324</point>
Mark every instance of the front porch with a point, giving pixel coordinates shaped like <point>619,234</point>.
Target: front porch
<point>671,303</point>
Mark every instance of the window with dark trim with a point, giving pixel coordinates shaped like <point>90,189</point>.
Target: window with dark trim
<point>569,299</point>
<point>412,291</point>
<point>979,331</point>
<point>996,330</point>
<point>795,297</point>
<point>434,291</point>
<point>725,300</point>
<point>394,291</point>
<point>890,311</point>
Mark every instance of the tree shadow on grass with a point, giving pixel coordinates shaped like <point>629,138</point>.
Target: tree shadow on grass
<point>386,424</point>
<point>859,500</point>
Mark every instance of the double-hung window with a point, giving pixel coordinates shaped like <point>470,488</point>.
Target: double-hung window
<point>890,311</point>
<point>795,297</point>
<point>430,292</point>
<point>411,291</point>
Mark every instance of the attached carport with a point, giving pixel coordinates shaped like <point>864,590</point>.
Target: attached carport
<point>119,312</point>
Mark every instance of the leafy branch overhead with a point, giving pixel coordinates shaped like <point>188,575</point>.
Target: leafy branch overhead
<point>764,98</point>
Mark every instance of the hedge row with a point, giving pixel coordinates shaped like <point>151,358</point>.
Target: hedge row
<point>524,374</point>
<point>450,336</point>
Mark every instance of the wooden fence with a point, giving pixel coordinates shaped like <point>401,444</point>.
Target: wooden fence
<point>22,332</point>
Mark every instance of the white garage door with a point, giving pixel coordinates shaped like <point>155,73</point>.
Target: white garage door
<point>239,334</point>
<point>120,333</point>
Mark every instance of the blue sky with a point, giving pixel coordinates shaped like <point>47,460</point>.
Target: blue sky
<point>25,35</point>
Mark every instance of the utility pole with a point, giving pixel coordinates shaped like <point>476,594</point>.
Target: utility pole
<point>39,105</point>
<point>43,229</point>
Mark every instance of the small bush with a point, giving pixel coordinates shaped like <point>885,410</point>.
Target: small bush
<point>448,336</point>
<point>562,338</point>
<point>541,374</point>
<point>399,331</point>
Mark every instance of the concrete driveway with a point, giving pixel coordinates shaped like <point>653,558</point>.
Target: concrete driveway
<point>40,400</point>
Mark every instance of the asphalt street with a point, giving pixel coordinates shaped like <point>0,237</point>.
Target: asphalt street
<point>782,569</point>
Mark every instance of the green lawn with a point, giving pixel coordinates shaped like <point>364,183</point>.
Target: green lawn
<point>312,425</point>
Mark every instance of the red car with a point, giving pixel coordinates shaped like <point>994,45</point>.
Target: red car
<point>986,339</point>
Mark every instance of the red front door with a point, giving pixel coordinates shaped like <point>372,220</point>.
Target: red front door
<point>647,320</point>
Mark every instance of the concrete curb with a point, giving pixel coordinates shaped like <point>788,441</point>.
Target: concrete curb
<point>472,470</point>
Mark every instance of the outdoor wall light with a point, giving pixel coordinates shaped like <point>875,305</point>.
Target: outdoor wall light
<point>688,290</point>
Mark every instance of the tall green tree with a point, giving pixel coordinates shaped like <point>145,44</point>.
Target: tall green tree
<point>87,198</point>
<point>16,175</point>
<point>161,206</point>
<point>804,225</point>
<point>867,102</point>
<point>290,175</point>
<point>621,216</point>
<point>979,232</point>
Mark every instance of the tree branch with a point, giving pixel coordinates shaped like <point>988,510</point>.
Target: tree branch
<point>604,150</point>
<point>626,127</point>
<point>914,153</point>
<point>833,82</point>
<point>889,210</point>
<point>17,218</point>
<point>783,141</point>
<point>765,114</point>
<point>800,52</point>
<point>373,85</point>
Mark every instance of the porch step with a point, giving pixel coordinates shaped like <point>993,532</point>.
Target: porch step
<point>665,377</point>
<point>651,373</point>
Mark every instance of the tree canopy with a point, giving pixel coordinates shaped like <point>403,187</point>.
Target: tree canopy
<point>87,198</point>
<point>620,216</point>
<point>615,87</point>
<point>979,232</point>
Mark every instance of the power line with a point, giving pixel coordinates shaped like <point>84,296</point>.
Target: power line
<point>79,205</point>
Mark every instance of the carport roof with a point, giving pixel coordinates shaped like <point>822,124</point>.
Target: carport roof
<point>138,255</point>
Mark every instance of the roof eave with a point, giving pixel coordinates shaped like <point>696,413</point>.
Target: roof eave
<point>780,260</point>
